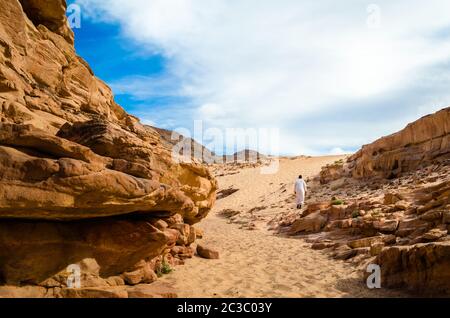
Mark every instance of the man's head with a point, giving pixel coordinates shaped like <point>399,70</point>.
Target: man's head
<point>300,177</point>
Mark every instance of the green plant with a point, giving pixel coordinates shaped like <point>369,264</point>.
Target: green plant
<point>164,269</point>
<point>337,202</point>
<point>355,214</point>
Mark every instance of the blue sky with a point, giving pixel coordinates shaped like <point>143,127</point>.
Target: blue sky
<point>330,77</point>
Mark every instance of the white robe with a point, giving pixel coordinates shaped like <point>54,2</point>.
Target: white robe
<point>300,190</point>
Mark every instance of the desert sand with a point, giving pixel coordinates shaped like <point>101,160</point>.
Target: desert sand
<point>253,261</point>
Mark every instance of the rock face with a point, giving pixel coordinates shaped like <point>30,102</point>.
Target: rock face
<point>422,142</point>
<point>332,172</point>
<point>423,268</point>
<point>79,177</point>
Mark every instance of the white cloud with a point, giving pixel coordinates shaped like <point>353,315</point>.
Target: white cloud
<point>338,151</point>
<point>247,63</point>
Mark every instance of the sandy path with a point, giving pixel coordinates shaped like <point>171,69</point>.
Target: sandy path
<point>257,263</point>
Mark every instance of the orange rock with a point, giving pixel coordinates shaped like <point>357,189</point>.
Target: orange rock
<point>422,268</point>
<point>310,223</point>
<point>421,142</point>
<point>79,175</point>
<point>207,252</point>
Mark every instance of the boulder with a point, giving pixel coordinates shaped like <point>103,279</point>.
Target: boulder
<point>310,223</point>
<point>207,252</point>
<point>182,252</point>
<point>344,253</point>
<point>422,268</point>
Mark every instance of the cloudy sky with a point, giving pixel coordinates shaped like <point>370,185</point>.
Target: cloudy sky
<point>331,76</point>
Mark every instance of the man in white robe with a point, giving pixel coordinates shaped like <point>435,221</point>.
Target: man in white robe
<point>300,191</point>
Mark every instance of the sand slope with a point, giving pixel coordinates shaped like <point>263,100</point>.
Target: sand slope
<point>257,263</point>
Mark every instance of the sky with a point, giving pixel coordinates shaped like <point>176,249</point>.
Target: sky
<point>328,76</point>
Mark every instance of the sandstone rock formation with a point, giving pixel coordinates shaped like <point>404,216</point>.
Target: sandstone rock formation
<point>389,204</point>
<point>422,142</point>
<point>421,268</point>
<point>79,177</point>
<point>207,252</point>
<point>332,172</point>
<point>403,226</point>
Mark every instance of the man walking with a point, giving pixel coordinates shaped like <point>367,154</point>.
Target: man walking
<point>300,191</point>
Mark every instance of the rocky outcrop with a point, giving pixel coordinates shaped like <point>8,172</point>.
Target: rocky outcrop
<point>332,172</point>
<point>79,177</point>
<point>422,268</point>
<point>403,225</point>
<point>48,248</point>
<point>422,142</point>
<point>187,148</point>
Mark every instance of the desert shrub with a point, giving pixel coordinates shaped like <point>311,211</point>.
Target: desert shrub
<point>355,214</point>
<point>337,202</point>
<point>163,269</point>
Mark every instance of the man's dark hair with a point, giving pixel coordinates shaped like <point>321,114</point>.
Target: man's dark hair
<point>300,177</point>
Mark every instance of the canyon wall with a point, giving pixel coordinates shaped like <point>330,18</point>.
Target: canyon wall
<point>422,142</point>
<point>79,177</point>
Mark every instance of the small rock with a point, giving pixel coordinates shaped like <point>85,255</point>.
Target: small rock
<point>402,205</point>
<point>391,198</point>
<point>115,281</point>
<point>207,252</point>
<point>199,233</point>
<point>134,277</point>
<point>322,245</point>
<point>94,292</point>
<point>155,290</point>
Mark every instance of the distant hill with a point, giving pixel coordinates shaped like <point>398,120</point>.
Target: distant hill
<point>198,151</point>
<point>203,154</point>
<point>245,156</point>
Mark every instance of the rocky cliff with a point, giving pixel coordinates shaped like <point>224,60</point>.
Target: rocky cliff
<point>388,204</point>
<point>422,142</point>
<point>79,177</point>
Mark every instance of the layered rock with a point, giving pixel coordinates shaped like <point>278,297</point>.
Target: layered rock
<point>332,172</point>
<point>79,177</point>
<point>403,226</point>
<point>422,142</point>
<point>422,268</point>
<point>388,204</point>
